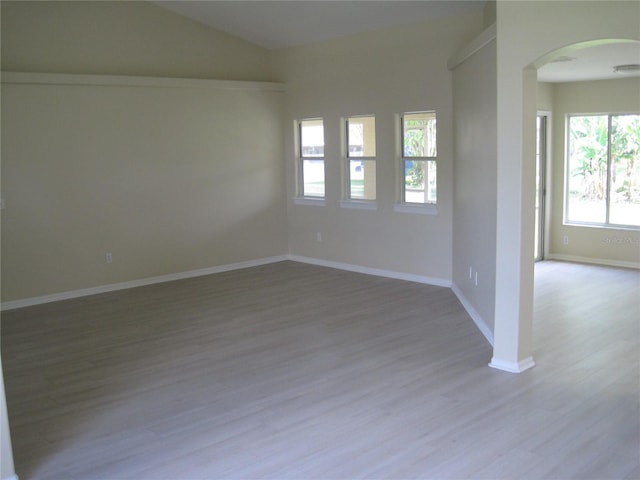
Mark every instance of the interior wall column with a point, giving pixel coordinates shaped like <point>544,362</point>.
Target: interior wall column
<point>513,327</point>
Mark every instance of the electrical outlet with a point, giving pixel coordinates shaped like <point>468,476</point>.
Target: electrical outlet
<point>319,236</point>
<point>108,258</point>
<point>565,240</point>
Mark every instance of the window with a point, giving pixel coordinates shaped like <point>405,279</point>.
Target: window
<point>419,154</point>
<point>361,158</point>
<point>603,170</point>
<point>311,158</point>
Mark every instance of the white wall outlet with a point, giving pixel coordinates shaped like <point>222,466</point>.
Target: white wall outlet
<point>565,240</point>
<point>108,258</point>
<point>319,236</point>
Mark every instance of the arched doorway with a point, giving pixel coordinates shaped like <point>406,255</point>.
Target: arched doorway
<point>529,35</point>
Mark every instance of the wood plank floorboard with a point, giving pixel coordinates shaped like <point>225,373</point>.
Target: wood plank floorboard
<point>294,371</point>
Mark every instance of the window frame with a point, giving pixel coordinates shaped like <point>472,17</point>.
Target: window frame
<point>303,198</point>
<point>348,200</point>
<point>567,172</point>
<point>404,206</point>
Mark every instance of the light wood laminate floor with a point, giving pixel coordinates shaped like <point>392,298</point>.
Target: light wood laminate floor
<point>293,371</point>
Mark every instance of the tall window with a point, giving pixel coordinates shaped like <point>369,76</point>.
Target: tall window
<point>311,156</point>
<point>603,170</point>
<point>419,153</point>
<point>361,158</point>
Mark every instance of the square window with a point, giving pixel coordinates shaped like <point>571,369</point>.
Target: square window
<point>603,170</point>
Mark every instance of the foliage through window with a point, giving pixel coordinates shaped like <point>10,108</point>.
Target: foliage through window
<point>311,156</point>
<point>603,170</point>
<point>419,154</point>
<point>361,157</point>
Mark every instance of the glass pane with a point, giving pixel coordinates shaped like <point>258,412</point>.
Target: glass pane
<point>419,134</point>
<point>362,179</point>
<point>312,138</point>
<point>313,178</point>
<point>587,169</point>
<point>361,136</point>
<point>416,179</point>
<point>624,204</point>
<point>431,182</point>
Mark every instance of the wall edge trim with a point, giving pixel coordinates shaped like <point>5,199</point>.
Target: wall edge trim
<point>469,50</point>
<point>34,78</point>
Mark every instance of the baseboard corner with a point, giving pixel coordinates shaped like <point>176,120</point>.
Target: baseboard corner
<point>512,367</point>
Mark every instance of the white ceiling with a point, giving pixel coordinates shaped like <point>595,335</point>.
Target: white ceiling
<point>594,63</point>
<point>282,24</point>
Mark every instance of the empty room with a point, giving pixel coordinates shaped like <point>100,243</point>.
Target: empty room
<point>320,239</point>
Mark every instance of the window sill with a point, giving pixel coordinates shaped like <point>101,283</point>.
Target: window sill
<point>416,208</point>
<point>359,204</point>
<point>602,226</point>
<point>313,201</point>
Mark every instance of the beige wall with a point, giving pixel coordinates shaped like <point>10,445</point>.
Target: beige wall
<point>167,179</point>
<point>602,245</point>
<point>122,38</point>
<point>474,214</point>
<point>64,212</point>
<point>545,96</point>
<point>383,73</point>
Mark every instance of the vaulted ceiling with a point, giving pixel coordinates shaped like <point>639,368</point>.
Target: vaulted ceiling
<point>282,24</point>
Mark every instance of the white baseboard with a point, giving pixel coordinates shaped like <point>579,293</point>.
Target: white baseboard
<point>596,261</point>
<point>28,302</point>
<point>11,477</point>
<point>512,367</point>
<point>473,313</point>
<point>475,316</point>
<point>439,282</point>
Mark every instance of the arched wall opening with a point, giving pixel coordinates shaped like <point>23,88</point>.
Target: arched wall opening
<point>522,46</point>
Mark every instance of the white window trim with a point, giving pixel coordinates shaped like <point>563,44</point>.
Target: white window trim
<point>311,201</point>
<point>359,204</point>
<point>578,223</point>
<point>412,207</point>
<point>416,208</point>
<point>348,201</point>
<point>301,198</point>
